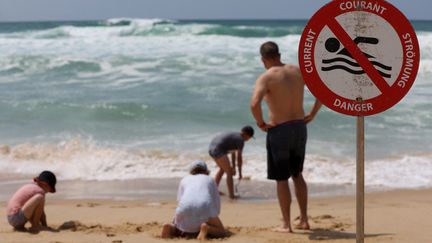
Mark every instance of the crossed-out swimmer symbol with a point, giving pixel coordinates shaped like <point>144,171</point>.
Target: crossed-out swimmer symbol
<point>344,60</point>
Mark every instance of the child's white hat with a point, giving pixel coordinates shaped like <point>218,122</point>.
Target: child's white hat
<point>198,164</point>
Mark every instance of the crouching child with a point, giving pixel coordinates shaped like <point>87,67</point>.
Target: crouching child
<point>197,213</point>
<point>28,203</point>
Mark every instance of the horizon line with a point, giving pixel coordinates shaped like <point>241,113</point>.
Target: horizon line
<point>180,19</point>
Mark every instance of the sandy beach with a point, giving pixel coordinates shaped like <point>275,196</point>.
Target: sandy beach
<point>118,108</point>
<point>396,216</point>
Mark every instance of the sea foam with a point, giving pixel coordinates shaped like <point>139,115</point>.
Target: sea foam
<point>85,160</point>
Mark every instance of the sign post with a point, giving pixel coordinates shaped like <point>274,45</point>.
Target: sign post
<point>360,180</point>
<point>359,58</point>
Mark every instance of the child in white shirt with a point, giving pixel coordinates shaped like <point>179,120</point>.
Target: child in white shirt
<point>197,213</point>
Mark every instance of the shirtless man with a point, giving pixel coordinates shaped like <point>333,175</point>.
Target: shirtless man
<point>282,88</point>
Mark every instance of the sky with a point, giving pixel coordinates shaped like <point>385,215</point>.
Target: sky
<point>41,10</point>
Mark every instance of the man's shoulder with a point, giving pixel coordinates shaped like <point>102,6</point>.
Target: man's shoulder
<point>285,69</point>
<point>270,74</point>
<point>274,70</point>
<point>291,68</point>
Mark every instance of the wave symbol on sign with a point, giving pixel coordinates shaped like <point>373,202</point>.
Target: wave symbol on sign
<point>333,45</point>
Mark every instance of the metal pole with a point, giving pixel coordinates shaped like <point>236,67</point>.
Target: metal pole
<point>360,179</point>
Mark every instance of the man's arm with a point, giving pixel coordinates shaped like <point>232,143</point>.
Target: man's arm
<point>257,97</point>
<point>240,163</point>
<point>309,117</point>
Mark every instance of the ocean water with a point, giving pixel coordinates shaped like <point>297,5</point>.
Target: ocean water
<point>142,98</point>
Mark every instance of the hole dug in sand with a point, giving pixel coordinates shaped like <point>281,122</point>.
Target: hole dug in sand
<point>110,231</point>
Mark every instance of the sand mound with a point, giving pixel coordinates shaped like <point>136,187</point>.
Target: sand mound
<point>126,228</point>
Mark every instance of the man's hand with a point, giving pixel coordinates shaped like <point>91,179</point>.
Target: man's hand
<point>264,126</point>
<point>308,118</point>
<point>311,115</point>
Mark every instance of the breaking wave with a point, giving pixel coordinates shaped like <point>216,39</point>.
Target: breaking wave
<point>80,159</point>
<point>127,27</point>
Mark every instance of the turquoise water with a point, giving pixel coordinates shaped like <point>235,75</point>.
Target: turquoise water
<point>123,98</point>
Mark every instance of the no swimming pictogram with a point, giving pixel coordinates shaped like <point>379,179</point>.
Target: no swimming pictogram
<point>333,45</point>
<point>359,57</point>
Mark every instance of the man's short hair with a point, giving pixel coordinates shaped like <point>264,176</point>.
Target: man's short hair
<point>269,50</point>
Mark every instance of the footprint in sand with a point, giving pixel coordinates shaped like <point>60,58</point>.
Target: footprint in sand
<point>89,204</point>
<point>325,216</point>
<point>118,206</point>
<point>70,225</point>
<point>329,222</point>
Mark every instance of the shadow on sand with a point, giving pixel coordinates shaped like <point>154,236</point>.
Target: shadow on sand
<point>328,234</point>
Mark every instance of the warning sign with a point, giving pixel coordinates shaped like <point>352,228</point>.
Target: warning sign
<point>359,57</point>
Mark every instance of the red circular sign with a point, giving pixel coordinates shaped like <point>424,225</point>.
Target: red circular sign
<point>359,57</point>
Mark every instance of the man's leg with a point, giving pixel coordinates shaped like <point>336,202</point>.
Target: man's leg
<point>168,231</point>
<point>302,198</point>
<point>284,196</point>
<point>33,209</point>
<point>213,227</point>
<point>224,164</point>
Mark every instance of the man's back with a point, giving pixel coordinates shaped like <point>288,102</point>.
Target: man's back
<point>284,96</point>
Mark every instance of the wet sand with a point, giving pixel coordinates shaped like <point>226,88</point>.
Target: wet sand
<point>396,216</point>
<point>157,189</point>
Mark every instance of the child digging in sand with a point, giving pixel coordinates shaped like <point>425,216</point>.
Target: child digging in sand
<point>27,204</point>
<point>198,207</point>
<point>221,146</point>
